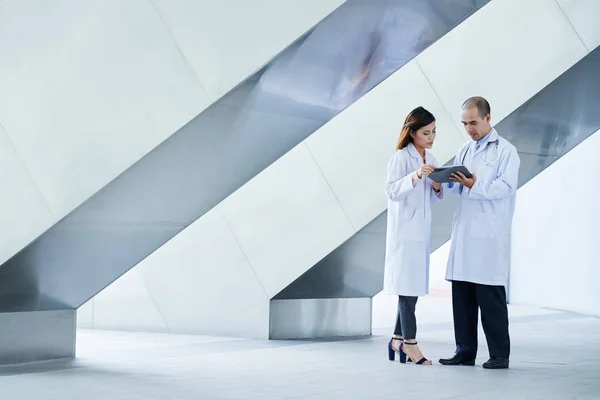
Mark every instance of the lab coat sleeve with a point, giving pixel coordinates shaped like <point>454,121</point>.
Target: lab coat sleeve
<point>453,188</point>
<point>435,197</point>
<point>506,182</point>
<point>400,182</point>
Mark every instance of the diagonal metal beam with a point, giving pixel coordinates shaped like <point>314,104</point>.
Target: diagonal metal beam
<point>222,149</point>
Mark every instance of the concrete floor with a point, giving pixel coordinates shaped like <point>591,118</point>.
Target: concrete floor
<point>555,355</point>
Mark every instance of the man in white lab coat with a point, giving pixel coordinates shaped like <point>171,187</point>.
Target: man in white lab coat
<point>480,249</point>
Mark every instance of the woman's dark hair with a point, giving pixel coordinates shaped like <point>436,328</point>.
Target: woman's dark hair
<point>416,119</point>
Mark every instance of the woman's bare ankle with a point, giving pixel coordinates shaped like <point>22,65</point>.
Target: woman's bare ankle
<point>413,351</point>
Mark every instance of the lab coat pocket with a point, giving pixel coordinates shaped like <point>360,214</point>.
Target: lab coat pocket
<point>413,229</point>
<point>483,226</point>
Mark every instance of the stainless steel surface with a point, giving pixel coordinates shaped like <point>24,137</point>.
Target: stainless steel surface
<point>543,129</point>
<point>37,336</point>
<point>337,62</point>
<point>320,318</point>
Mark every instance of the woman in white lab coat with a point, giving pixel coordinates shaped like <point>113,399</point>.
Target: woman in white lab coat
<point>410,195</point>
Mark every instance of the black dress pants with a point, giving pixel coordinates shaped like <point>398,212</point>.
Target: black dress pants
<point>406,321</point>
<point>467,298</point>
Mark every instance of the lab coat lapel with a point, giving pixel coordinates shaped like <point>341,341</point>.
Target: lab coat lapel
<point>491,138</point>
<point>412,151</point>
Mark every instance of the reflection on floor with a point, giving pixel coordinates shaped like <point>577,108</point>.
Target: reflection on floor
<point>555,355</point>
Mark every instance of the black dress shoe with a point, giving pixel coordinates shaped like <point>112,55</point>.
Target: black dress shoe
<point>496,363</point>
<point>458,359</point>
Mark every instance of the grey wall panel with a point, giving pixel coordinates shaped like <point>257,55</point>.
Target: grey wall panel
<point>543,129</point>
<point>340,60</point>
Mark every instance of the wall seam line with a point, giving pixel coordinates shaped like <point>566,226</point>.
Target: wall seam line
<point>329,185</point>
<point>243,251</point>
<point>29,173</point>
<point>179,50</point>
<point>162,317</point>
<point>440,100</point>
<point>571,24</point>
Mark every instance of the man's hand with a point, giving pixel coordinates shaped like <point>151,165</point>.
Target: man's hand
<point>458,177</point>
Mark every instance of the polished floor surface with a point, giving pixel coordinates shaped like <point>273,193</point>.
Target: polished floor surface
<point>555,356</point>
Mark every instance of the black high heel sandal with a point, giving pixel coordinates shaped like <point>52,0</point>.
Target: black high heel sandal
<point>421,361</point>
<point>392,352</point>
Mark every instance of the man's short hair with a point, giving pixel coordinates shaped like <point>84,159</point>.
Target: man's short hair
<point>483,107</point>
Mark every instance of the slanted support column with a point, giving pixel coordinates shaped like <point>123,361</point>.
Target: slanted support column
<point>37,336</point>
<point>320,318</point>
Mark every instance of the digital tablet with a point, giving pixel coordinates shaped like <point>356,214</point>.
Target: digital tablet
<point>442,174</point>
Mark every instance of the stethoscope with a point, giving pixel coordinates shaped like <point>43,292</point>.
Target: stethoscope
<point>486,156</point>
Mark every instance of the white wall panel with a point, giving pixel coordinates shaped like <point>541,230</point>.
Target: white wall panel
<point>353,150</point>
<point>202,282</point>
<point>85,315</point>
<point>507,52</point>
<point>227,40</point>
<point>127,304</point>
<point>584,15</point>
<point>23,211</point>
<point>286,219</point>
<point>556,231</point>
<point>87,89</point>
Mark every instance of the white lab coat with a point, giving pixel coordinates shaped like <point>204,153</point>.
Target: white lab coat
<point>480,244</point>
<point>408,224</point>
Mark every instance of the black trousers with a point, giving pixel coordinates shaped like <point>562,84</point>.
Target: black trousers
<point>467,298</point>
<point>406,321</point>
